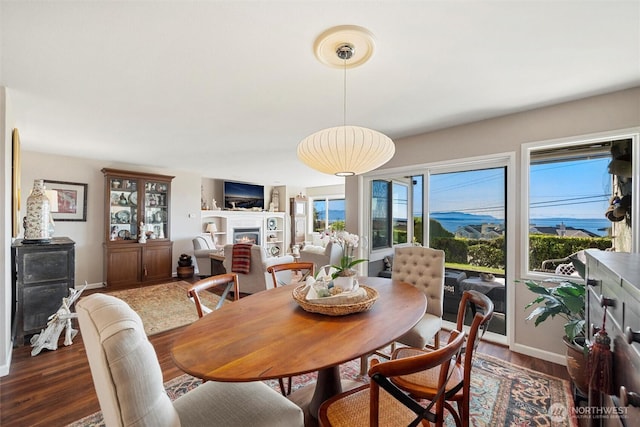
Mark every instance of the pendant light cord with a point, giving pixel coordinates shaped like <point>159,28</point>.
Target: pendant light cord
<point>344,106</point>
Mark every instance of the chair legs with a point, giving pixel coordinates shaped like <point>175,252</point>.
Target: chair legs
<point>285,391</point>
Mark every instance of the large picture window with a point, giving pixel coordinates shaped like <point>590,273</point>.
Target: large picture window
<point>578,197</point>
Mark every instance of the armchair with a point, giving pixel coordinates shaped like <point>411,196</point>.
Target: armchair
<point>329,255</point>
<point>258,279</point>
<point>203,246</point>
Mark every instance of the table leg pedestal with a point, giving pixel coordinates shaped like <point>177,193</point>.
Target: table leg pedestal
<point>328,385</point>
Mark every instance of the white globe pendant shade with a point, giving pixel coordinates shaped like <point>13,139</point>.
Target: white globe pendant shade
<point>346,150</point>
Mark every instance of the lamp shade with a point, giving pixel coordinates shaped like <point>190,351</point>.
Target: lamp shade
<point>211,228</point>
<point>346,150</point>
<point>52,195</point>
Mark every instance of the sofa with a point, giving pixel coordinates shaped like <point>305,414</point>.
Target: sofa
<point>321,256</point>
<point>258,279</point>
<point>203,246</point>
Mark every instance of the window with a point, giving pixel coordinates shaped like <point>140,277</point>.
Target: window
<point>579,197</point>
<point>460,208</point>
<point>328,212</point>
<point>390,213</point>
<point>467,218</point>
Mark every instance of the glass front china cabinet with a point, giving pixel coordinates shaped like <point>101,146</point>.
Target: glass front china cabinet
<point>137,244</point>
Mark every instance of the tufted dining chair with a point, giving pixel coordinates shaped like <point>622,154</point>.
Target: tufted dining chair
<point>128,379</point>
<point>423,268</point>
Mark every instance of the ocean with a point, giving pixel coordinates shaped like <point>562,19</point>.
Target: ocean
<point>452,220</point>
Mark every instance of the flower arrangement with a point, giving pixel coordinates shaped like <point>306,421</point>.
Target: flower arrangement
<point>348,242</point>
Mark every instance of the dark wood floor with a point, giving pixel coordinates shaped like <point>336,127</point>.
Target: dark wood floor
<point>55,388</point>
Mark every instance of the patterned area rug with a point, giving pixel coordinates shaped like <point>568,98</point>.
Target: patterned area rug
<point>165,306</point>
<point>503,394</point>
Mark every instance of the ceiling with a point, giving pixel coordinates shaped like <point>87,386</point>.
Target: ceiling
<point>227,89</point>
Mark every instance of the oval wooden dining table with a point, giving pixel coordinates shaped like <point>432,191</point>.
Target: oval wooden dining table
<point>267,335</point>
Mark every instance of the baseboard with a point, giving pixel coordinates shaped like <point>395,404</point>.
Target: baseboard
<point>560,359</point>
<point>98,285</point>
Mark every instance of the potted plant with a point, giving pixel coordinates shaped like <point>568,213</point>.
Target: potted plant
<point>566,299</point>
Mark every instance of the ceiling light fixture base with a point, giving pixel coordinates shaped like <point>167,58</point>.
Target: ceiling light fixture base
<point>358,40</point>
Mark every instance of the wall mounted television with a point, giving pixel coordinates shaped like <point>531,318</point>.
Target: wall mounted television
<point>240,195</point>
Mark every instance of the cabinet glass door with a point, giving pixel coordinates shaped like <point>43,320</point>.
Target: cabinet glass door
<point>156,211</point>
<point>123,209</point>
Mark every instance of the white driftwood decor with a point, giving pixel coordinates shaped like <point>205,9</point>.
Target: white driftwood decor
<point>48,337</point>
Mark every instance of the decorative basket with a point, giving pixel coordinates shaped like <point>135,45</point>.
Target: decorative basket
<point>299,294</point>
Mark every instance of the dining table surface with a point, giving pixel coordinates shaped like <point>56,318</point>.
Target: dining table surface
<point>267,335</point>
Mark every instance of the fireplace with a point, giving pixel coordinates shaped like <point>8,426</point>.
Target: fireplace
<point>247,235</point>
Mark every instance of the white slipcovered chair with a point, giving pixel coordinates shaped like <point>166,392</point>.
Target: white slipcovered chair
<point>203,246</point>
<point>128,379</point>
<point>329,255</point>
<point>258,279</point>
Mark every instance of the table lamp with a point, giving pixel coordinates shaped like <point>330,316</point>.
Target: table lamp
<point>211,229</point>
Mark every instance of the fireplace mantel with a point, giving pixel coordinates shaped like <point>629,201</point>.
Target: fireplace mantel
<point>272,225</point>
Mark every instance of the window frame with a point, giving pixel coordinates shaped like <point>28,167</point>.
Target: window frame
<point>531,147</point>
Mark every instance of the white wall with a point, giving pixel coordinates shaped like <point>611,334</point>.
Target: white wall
<point>618,110</point>
<point>89,235</point>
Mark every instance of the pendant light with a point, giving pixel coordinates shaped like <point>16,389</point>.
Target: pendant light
<point>345,150</point>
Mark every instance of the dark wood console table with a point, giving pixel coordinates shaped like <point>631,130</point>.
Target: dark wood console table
<point>42,274</point>
<point>615,278</point>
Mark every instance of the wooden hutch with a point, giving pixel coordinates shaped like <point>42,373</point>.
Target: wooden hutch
<point>134,200</point>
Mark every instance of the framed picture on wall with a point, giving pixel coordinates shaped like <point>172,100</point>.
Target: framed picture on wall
<point>71,200</point>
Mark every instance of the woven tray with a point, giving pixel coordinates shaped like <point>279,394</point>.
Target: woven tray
<point>299,295</point>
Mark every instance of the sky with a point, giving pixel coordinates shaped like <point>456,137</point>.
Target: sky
<point>572,189</point>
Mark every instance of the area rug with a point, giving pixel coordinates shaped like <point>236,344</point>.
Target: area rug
<point>165,306</point>
<point>503,395</point>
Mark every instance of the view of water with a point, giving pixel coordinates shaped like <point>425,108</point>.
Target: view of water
<point>452,220</point>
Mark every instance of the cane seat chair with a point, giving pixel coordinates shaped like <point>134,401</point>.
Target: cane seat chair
<point>425,385</point>
<point>285,274</point>
<point>229,280</point>
<point>382,403</point>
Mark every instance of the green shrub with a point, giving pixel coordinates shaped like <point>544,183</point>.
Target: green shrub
<point>455,250</point>
<point>543,247</point>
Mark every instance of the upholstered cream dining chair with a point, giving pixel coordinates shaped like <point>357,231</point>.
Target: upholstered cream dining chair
<point>128,379</point>
<point>423,268</point>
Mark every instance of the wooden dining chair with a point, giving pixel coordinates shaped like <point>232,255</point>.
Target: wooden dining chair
<point>382,403</point>
<point>229,280</point>
<point>426,385</point>
<point>282,275</point>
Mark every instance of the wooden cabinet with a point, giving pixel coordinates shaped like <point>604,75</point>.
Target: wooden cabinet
<point>616,278</point>
<point>137,204</point>
<point>42,275</point>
